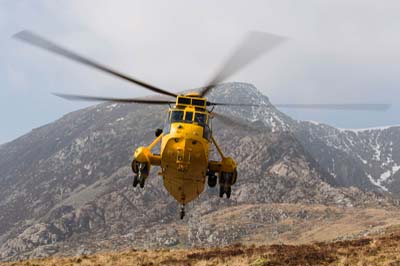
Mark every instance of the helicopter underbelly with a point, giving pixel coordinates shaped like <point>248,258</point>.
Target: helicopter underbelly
<point>184,165</point>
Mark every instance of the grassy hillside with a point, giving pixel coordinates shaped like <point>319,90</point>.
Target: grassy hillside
<point>381,249</point>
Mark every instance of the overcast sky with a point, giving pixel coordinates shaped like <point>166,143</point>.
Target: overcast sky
<point>339,52</point>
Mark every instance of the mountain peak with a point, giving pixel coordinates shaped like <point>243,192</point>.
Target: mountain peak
<point>239,92</point>
<point>263,111</point>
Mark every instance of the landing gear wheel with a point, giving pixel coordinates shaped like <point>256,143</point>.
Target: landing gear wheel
<point>142,180</point>
<point>135,181</point>
<point>221,191</point>
<point>228,192</point>
<point>212,181</point>
<point>182,211</point>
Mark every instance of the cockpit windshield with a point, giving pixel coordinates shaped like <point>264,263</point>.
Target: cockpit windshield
<point>176,116</point>
<point>189,117</point>
<point>183,116</point>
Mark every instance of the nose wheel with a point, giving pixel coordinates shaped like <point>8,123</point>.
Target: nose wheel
<point>182,213</point>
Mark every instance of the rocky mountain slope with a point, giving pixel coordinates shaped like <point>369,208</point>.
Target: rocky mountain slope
<point>377,249</point>
<point>368,158</point>
<point>365,158</point>
<point>66,187</point>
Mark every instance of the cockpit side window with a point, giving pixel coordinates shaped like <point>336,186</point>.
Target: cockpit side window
<point>200,118</point>
<point>176,116</point>
<point>167,125</point>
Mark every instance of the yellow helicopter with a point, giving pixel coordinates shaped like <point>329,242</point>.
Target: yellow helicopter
<point>186,138</point>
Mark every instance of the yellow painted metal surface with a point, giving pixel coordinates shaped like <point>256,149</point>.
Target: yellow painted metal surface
<point>184,161</point>
<point>184,152</point>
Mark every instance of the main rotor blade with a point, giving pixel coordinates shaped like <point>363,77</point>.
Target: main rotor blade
<point>349,107</point>
<point>41,42</point>
<point>230,121</point>
<point>231,104</point>
<point>106,99</point>
<point>252,47</point>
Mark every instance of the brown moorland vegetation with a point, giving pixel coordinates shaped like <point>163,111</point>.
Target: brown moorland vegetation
<point>382,250</point>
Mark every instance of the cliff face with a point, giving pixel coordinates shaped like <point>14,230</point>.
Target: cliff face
<point>66,187</point>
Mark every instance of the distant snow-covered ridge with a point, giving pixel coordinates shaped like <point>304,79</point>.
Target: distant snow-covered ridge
<point>368,128</point>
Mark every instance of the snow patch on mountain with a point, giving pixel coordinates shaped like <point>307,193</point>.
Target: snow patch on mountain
<point>384,176</point>
<point>263,111</point>
<point>361,159</point>
<point>376,183</point>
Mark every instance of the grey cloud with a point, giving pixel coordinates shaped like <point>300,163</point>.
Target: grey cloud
<point>340,51</point>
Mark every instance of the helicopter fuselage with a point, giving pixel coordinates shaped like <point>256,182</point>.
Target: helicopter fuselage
<point>184,161</point>
<point>184,152</point>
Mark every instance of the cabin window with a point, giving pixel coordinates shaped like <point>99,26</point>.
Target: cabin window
<point>189,116</point>
<point>176,116</point>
